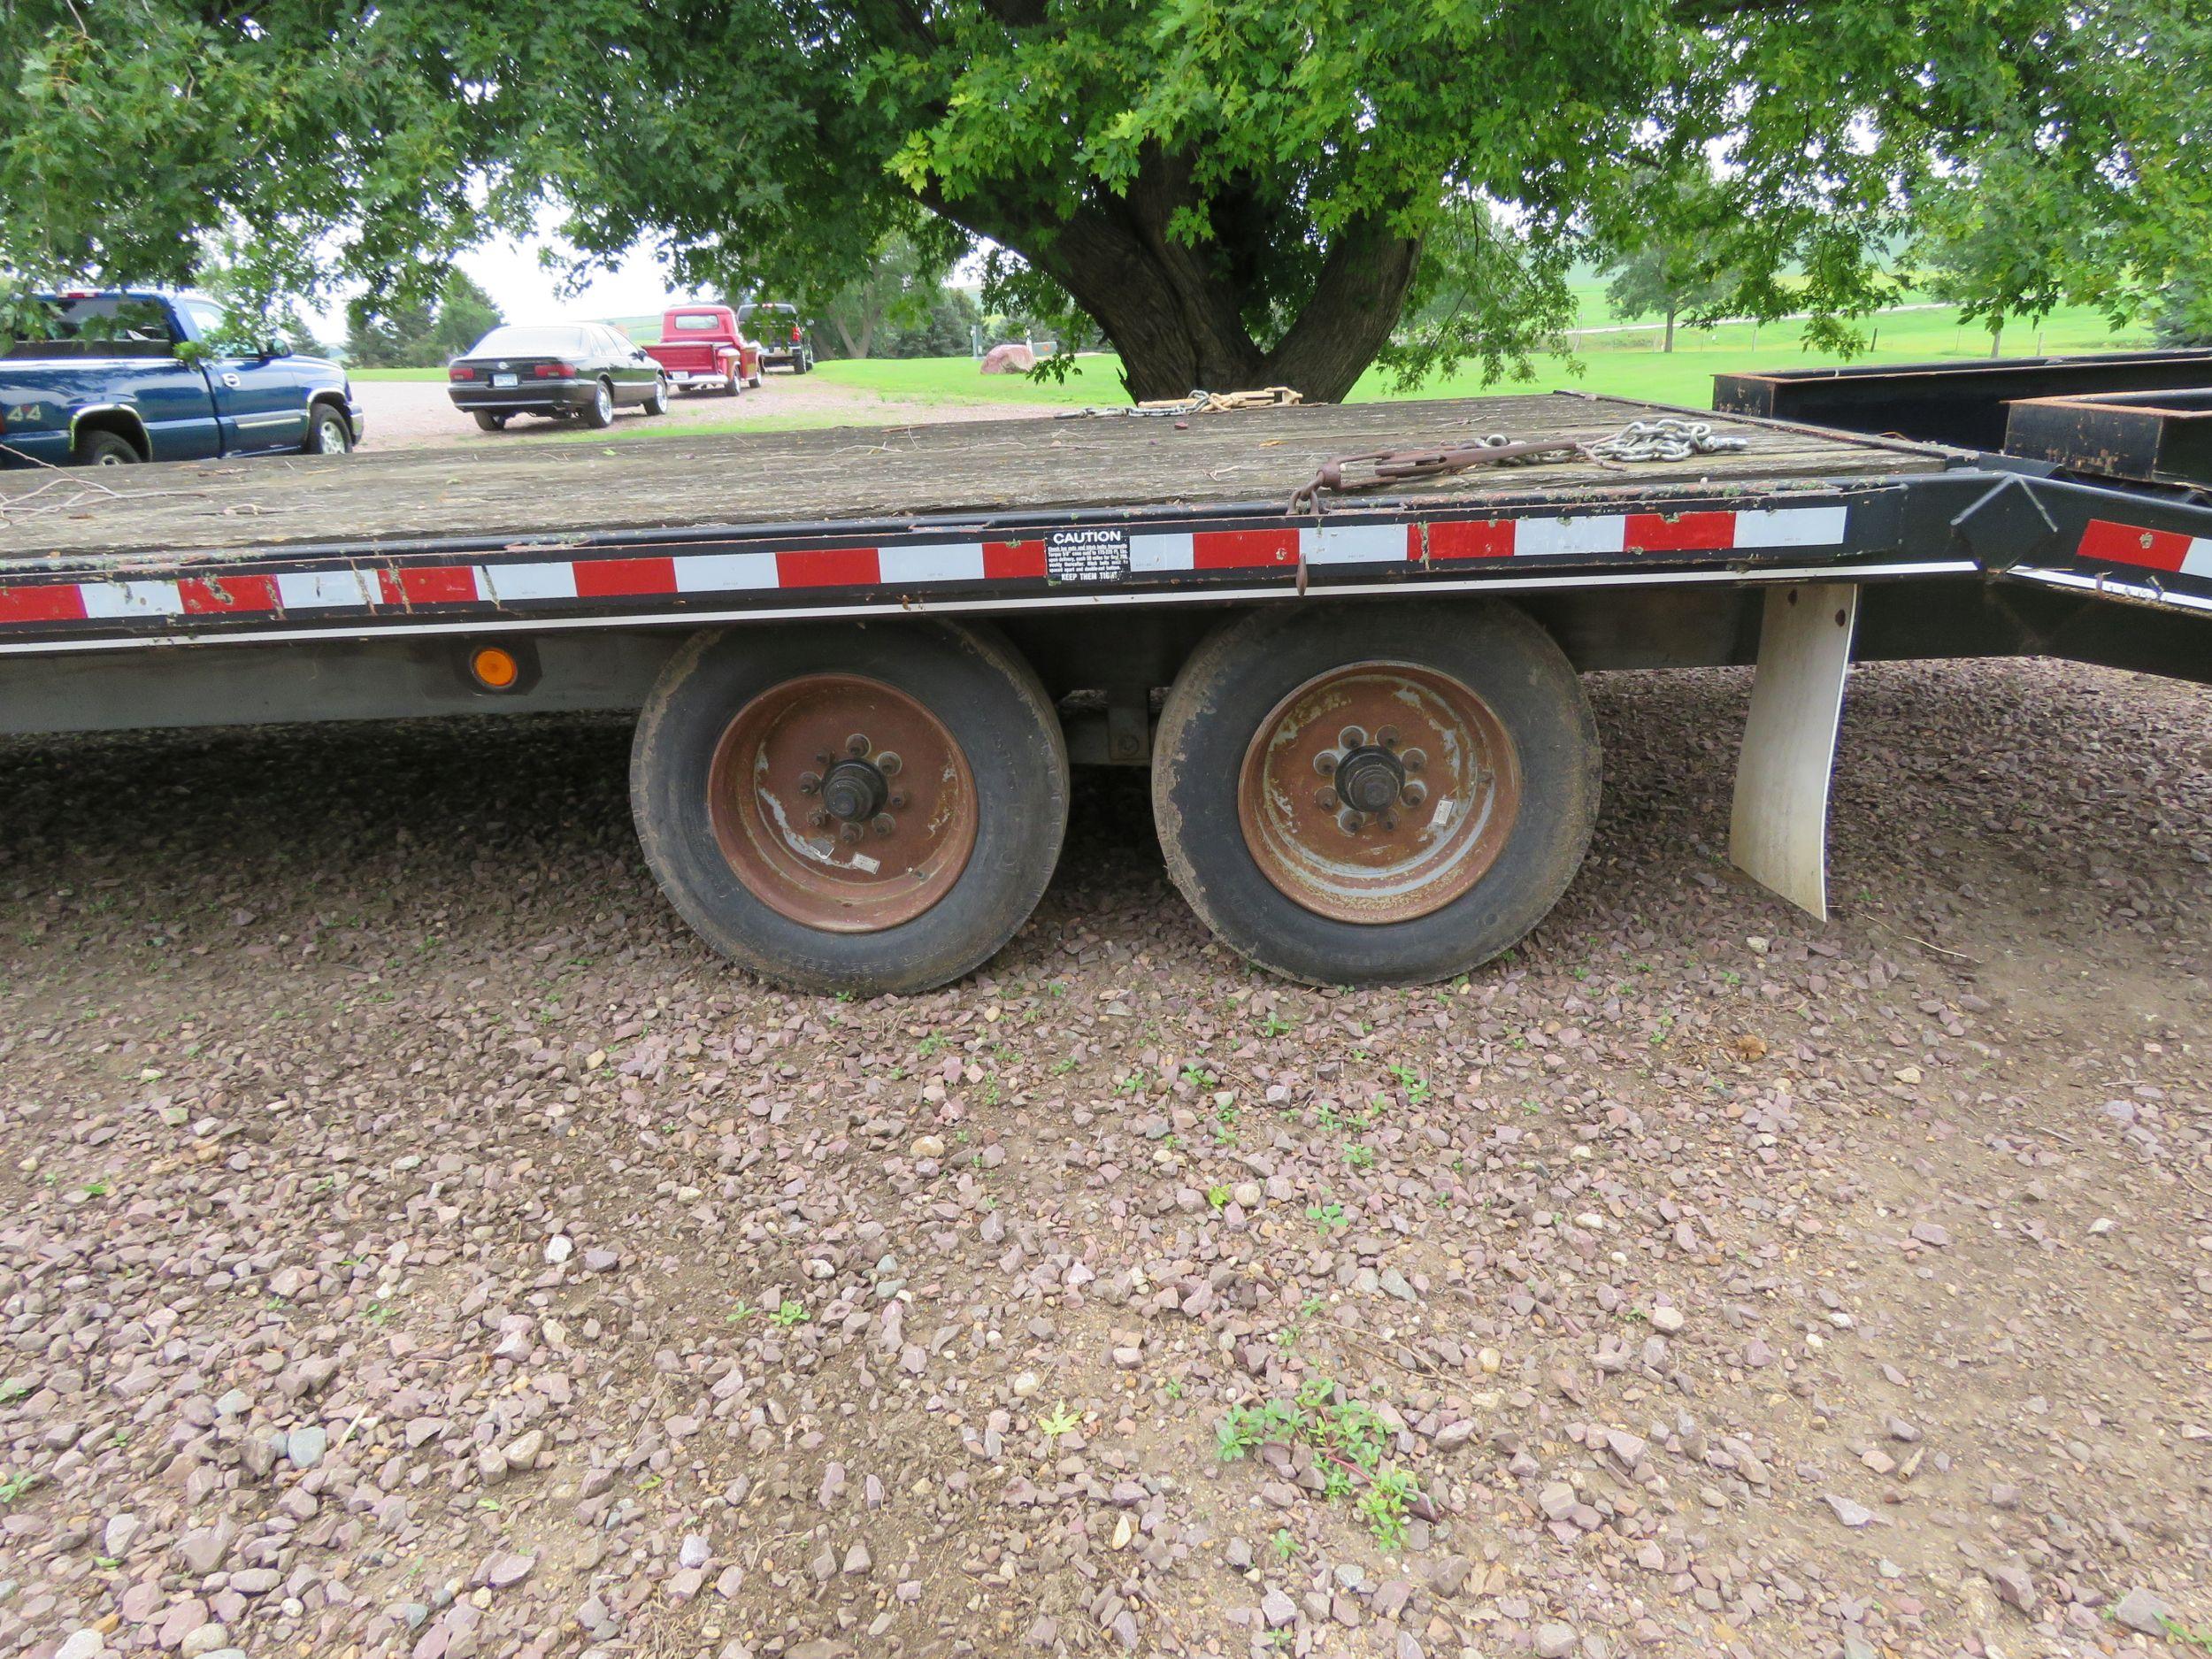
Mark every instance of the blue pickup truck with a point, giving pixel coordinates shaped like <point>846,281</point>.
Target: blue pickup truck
<point>105,377</point>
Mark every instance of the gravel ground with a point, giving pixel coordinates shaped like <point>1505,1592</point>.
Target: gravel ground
<point>419,414</point>
<point>412,1241</point>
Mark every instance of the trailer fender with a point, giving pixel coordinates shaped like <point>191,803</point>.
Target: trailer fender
<point>1778,834</point>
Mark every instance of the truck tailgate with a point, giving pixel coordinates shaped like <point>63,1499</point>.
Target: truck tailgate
<point>687,357</point>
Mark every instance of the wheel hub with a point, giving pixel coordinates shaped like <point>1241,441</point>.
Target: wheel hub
<point>1368,777</point>
<point>842,803</point>
<point>855,790</point>
<point>1418,788</point>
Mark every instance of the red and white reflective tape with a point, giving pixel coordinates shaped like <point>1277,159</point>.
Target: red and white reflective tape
<point>406,588</point>
<point>1439,540</point>
<point>2169,551</point>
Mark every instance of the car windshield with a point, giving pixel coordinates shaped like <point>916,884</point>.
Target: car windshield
<point>774,313</point>
<point>522,343</point>
<point>698,322</point>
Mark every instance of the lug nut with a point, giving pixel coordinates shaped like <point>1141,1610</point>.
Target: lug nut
<point>1387,736</point>
<point>1325,762</point>
<point>1350,822</point>
<point>897,802</point>
<point>848,832</point>
<point>857,745</point>
<point>1413,794</point>
<point>822,757</point>
<point>817,818</point>
<point>1351,737</point>
<point>1390,821</point>
<point>1414,759</point>
<point>809,782</point>
<point>1327,800</point>
<point>889,763</point>
<point>883,823</point>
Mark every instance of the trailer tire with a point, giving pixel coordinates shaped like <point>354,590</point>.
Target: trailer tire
<point>728,763</point>
<point>1281,719</point>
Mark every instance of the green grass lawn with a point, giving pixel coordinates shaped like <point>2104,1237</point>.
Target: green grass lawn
<point>1617,364</point>
<point>1632,366</point>
<point>1622,365</point>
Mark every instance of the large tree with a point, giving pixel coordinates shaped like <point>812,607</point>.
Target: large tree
<point>896,291</point>
<point>1238,191</point>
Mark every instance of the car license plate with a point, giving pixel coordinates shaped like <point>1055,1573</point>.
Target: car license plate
<point>504,379</point>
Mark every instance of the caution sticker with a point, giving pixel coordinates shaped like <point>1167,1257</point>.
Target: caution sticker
<point>1095,553</point>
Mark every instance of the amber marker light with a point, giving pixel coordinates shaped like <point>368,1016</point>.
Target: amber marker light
<point>496,670</point>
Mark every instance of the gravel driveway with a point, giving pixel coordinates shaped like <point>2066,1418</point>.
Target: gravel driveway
<point>417,414</point>
<point>412,1240</point>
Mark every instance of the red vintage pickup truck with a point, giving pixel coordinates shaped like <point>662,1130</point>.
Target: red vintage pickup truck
<point>703,350</point>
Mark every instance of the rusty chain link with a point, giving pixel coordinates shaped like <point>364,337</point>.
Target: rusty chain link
<point>1669,437</point>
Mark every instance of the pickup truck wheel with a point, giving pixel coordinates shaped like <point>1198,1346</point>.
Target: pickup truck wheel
<point>847,808</point>
<point>328,430</point>
<point>1366,795</point>
<point>105,449</point>
<point>736,381</point>
<point>490,422</point>
<point>599,414</point>
<point>657,401</point>
<point>753,380</point>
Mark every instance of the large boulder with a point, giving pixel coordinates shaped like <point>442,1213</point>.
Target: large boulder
<point>1013,358</point>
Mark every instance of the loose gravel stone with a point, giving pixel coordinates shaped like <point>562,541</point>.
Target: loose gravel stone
<point>305,1446</point>
<point>1849,1511</point>
<point>319,1042</point>
<point>2140,1609</point>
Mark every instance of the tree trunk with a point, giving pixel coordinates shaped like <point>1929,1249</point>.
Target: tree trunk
<point>1668,343</point>
<point>1176,312</point>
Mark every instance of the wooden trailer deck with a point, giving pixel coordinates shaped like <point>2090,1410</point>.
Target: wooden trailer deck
<point>541,490</point>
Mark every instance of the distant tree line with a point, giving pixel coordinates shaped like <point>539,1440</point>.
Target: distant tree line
<point>902,306</point>
<point>420,333</point>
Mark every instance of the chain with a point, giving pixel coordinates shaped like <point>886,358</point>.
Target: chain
<point>1199,403</point>
<point>1669,438</point>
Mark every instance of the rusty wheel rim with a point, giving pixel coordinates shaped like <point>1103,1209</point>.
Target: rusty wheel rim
<point>842,803</point>
<point>1378,792</point>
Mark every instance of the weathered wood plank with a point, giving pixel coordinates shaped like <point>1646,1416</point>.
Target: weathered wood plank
<point>543,490</point>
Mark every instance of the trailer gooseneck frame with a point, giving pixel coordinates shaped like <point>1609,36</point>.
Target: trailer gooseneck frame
<point>862,685</point>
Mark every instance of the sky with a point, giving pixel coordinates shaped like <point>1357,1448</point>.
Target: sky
<point>509,271</point>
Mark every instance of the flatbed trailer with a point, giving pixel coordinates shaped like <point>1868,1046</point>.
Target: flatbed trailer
<point>863,660</point>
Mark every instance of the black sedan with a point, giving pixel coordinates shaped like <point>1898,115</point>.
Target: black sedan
<point>586,370</point>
